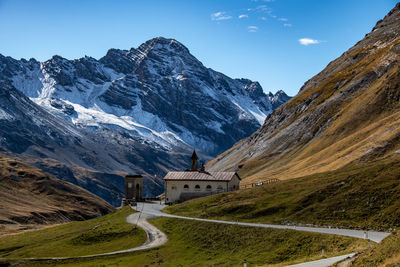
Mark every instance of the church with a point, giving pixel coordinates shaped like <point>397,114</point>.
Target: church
<point>194,183</point>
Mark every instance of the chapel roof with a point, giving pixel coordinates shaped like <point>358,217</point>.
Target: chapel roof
<point>200,176</point>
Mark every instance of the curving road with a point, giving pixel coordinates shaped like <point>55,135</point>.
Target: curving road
<point>324,262</point>
<point>155,238</point>
<point>155,210</point>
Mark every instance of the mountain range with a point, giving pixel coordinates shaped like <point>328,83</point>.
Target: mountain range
<point>141,110</point>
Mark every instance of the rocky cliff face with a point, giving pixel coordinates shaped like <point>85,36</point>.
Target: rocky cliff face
<point>133,111</point>
<point>349,112</point>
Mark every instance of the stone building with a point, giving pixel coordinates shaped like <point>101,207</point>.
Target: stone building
<point>193,183</point>
<point>133,189</point>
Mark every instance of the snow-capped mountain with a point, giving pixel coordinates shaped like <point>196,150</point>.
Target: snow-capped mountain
<point>133,111</point>
<point>80,155</point>
<point>158,92</point>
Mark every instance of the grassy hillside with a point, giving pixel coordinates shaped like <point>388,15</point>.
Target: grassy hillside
<point>207,244</point>
<point>364,195</point>
<point>31,196</point>
<point>386,253</point>
<point>103,234</point>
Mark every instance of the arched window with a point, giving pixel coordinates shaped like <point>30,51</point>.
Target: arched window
<point>208,188</point>
<point>197,187</point>
<point>186,187</point>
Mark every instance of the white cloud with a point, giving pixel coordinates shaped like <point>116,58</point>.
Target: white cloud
<point>263,8</point>
<point>283,19</point>
<point>243,16</point>
<point>220,16</point>
<point>263,18</point>
<point>287,25</point>
<point>308,41</point>
<point>252,28</point>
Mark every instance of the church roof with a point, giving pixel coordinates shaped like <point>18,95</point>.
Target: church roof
<point>200,176</point>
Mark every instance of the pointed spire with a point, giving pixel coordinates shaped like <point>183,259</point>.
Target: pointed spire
<point>194,159</point>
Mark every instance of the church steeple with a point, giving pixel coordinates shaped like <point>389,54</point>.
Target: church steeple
<point>194,161</point>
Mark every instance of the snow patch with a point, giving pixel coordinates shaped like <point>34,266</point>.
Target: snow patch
<point>5,116</point>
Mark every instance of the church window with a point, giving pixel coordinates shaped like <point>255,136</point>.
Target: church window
<point>197,187</point>
<point>208,187</point>
<point>186,187</point>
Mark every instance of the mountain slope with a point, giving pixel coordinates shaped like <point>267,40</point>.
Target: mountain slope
<point>347,113</point>
<point>362,195</point>
<point>80,155</point>
<point>30,196</point>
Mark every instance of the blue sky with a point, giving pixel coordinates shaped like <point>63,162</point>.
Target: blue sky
<point>280,43</point>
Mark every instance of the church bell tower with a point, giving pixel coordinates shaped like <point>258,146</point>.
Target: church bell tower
<point>133,189</point>
<point>194,161</point>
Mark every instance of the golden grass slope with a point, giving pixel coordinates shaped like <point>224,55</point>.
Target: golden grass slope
<point>30,196</point>
<point>350,112</point>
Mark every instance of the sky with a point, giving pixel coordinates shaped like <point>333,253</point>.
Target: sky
<point>279,43</point>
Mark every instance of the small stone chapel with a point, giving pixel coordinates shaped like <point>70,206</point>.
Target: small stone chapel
<point>197,182</point>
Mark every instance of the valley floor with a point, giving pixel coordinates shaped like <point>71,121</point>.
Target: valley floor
<point>364,195</point>
<point>197,243</point>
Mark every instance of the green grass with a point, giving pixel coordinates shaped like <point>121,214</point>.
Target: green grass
<point>386,253</point>
<point>194,243</point>
<point>359,195</point>
<point>104,234</point>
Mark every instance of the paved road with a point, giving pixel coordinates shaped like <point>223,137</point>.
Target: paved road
<point>155,238</point>
<point>323,263</point>
<point>155,209</point>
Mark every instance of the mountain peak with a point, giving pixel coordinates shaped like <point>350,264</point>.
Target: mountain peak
<point>389,25</point>
<point>162,43</point>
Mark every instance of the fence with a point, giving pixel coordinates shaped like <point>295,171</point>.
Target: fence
<point>268,181</point>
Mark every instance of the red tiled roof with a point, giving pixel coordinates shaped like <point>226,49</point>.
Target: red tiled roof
<point>200,176</point>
